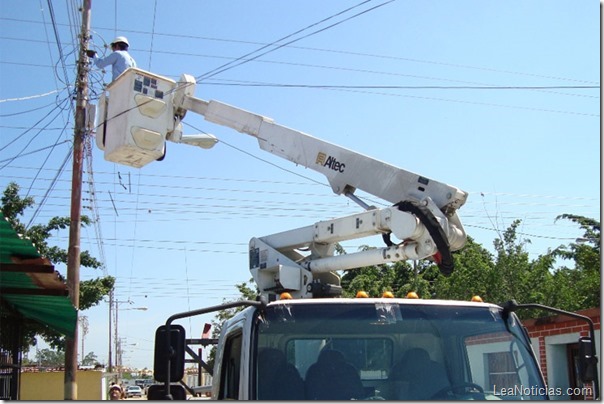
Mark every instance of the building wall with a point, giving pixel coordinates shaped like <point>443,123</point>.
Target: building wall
<point>550,337</point>
<point>50,386</point>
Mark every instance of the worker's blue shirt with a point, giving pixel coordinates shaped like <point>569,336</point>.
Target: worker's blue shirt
<point>119,61</point>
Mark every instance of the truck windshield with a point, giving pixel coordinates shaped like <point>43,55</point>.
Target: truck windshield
<point>392,351</point>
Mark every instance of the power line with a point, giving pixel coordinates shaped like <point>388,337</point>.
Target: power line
<point>399,87</point>
<point>188,178</point>
<point>477,86</point>
<point>31,97</point>
<point>52,146</point>
<point>29,127</point>
<point>261,159</point>
<point>27,111</point>
<point>47,157</point>
<point>60,48</point>
<point>34,137</point>
<point>152,33</point>
<point>242,59</point>
<point>325,50</point>
<point>95,208</point>
<point>230,65</point>
<point>50,187</point>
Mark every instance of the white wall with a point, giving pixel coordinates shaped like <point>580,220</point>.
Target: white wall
<point>557,361</point>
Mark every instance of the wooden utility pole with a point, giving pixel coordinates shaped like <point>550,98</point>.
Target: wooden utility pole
<point>110,366</point>
<point>73,252</point>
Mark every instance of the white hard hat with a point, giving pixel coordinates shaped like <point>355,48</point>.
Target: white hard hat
<point>120,39</point>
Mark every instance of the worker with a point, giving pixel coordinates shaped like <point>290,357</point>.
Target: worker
<point>115,392</point>
<point>119,59</point>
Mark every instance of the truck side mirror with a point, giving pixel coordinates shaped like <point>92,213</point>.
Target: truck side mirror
<point>175,353</point>
<point>158,392</point>
<point>587,360</point>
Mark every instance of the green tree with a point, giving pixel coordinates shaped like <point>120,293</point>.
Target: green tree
<point>247,293</point>
<point>374,280</point>
<point>578,287</point>
<point>49,358</point>
<point>508,274</point>
<point>91,291</point>
<point>90,359</point>
<point>508,278</point>
<point>473,267</point>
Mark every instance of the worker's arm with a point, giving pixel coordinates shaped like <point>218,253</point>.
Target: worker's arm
<point>106,61</point>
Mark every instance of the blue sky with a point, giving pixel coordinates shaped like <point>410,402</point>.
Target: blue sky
<point>175,233</point>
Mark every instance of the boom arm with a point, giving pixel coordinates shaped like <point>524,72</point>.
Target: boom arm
<point>424,215</point>
<point>345,170</point>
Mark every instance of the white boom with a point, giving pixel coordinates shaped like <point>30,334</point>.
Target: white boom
<point>144,110</point>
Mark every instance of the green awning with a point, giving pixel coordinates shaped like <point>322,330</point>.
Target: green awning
<point>29,283</point>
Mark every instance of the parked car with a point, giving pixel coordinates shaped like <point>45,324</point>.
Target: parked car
<point>134,391</point>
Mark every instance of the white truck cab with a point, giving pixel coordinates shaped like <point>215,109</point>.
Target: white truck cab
<point>380,349</point>
<point>366,349</point>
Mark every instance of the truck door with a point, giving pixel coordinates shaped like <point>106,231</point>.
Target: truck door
<point>230,372</point>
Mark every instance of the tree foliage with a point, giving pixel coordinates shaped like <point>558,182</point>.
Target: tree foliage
<point>49,358</point>
<point>508,273</point>
<point>473,266</point>
<point>90,359</point>
<point>247,293</point>
<point>91,291</point>
<point>579,286</point>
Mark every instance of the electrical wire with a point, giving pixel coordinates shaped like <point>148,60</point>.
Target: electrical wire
<point>323,184</point>
<point>152,33</point>
<point>46,159</point>
<point>41,204</point>
<point>259,158</point>
<point>244,59</point>
<point>230,65</point>
<point>397,87</point>
<point>33,126</point>
<point>31,97</point>
<point>272,183</point>
<point>52,146</point>
<point>75,19</point>
<point>367,71</point>
<point>324,50</point>
<point>94,204</point>
<point>26,111</point>
<point>28,127</point>
<point>62,57</point>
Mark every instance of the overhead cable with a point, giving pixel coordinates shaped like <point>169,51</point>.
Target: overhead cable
<point>31,97</point>
<point>51,186</point>
<point>58,106</point>
<point>399,87</point>
<point>277,46</point>
<point>339,51</point>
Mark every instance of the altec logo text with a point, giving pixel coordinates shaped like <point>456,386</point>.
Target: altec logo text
<point>331,162</point>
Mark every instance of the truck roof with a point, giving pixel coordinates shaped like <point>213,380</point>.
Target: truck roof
<point>414,302</point>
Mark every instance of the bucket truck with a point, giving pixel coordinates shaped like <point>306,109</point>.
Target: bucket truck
<point>300,340</point>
